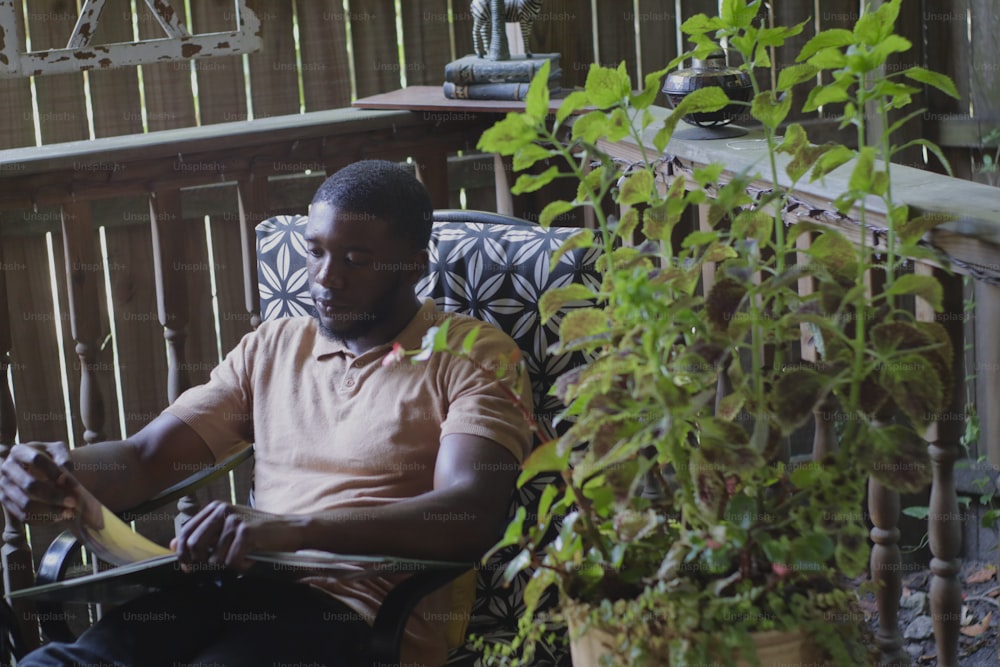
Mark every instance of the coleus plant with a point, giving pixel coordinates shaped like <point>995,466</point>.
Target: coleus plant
<point>676,524</point>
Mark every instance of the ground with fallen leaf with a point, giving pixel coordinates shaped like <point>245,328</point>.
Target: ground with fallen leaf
<point>977,645</point>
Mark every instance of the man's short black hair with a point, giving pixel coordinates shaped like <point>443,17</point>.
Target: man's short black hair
<point>385,190</point>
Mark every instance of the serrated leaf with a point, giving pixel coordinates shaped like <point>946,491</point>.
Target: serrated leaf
<point>544,458</point>
<point>529,155</point>
<point>834,38</point>
<point>730,405</point>
<point>769,109</point>
<point>554,299</point>
<point>619,125</point>
<point>532,182</point>
<point>582,323</point>
<point>796,393</point>
<point>900,460</point>
<point>627,224</point>
<point>796,74</point>
<point>590,127</point>
<point>852,551</point>
<point>470,340</point>
<point>864,169</point>
<point>581,239</point>
<point>868,29</point>
<point>914,229</point>
<point>830,160</point>
<point>507,136</point>
<point>650,89</point>
<point>701,100</point>
<point>575,101</point>
<point>823,95</point>
<point>836,253</point>
<point>637,188</point>
<point>553,210</point>
<point>935,79</point>
<point>607,87</point>
<point>829,59</point>
<point>926,287</point>
<point>536,102</point>
<point>738,13</point>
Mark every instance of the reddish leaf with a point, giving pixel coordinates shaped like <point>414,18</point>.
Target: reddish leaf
<point>982,576</point>
<point>977,629</point>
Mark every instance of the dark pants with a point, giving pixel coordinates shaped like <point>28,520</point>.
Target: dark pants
<point>243,623</point>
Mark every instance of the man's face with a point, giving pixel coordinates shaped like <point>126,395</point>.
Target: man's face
<point>361,276</point>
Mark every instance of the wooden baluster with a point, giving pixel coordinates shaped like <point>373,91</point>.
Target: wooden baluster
<point>83,275</point>
<point>987,364</point>
<point>886,560</point>
<point>944,525</point>
<point>18,570</point>
<point>252,196</point>
<point>172,304</point>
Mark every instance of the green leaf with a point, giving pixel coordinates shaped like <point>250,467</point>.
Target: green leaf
<point>828,59</point>
<point>607,87</point>
<point>555,299</point>
<point>900,460</point>
<point>891,44</point>
<point>590,127</point>
<point>536,102</point>
<point>650,89</point>
<point>810,551</point>
<point>637,188</point>
<point>619,125</point>
<point>828,39</point>
<point>836,253</point>
<point>470,340</point>
<point>703,99</point>
<point>868,29</point>
<point>553,210</point>
<point>932,147</point>
<point>926,287</point>
<point>796,393</point>
<point>917,511</point>
<point>852,551</point>
<point>830,160</point>
<point>581,239</point>
<point>545,458</point>
<point>864,170</point>
<point>738,13</point>
<point>913,230</point>
<point>769,109</point>
<point>529,155</point>
<point>580,324</point>
<point>441,338</point>
<point>823,95</point>
<point>700,24</point>
<point>575,101</point>
<point>508,136</point>
<point>796,74</point>
<point>532,182</point>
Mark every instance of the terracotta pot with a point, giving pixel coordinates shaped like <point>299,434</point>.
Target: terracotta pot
<point>773,648</point>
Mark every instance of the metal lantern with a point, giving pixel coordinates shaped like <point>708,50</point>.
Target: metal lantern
<point>712,71</point>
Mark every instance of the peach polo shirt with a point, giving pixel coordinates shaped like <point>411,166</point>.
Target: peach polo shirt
<point>335,430</point>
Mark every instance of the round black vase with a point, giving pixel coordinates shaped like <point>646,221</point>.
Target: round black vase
<point>713,71</point>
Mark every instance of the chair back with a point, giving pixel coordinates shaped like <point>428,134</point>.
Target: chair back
<point>494,268</point>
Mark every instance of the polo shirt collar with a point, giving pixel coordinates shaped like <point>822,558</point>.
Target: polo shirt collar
<point>410,337</point>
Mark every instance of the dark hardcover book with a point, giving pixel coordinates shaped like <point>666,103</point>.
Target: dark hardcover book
<point>519,69</point>
<point>496,91</point>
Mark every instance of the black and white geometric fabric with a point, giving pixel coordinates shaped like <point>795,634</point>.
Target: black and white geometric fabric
<point>495,272</point>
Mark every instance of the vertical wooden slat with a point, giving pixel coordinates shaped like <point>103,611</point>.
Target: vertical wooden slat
<point>564,27</point>
<point>326,78</point>
<point>615,24</point>
<point>274,79</point>
<point>373,33</point>
<point>115,92</point>
<point>951,37</point>
<point>18,571</point>
<point>426,41</point>
<point>171,284</point>
<point>221,91</point>
<point>166,86</point>
<point>17,125</point>
<point>61,108</point>
<point>253,201</point>
<point>987,365</point>
<point>657,34</point>
<point>984,87</point>
<point>85,273</point>
<point>789,14</point>
<point>944,526</point>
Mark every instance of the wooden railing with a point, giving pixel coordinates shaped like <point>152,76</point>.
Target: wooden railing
<point>110,247</point>
<point>150,237</point>
<point>968,246</point>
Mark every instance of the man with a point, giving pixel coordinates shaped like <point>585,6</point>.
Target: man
<point>352,455</point>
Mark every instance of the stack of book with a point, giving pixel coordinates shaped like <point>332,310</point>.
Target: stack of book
<point>475,78</point>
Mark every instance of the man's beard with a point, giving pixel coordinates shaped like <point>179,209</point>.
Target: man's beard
<point>364,322</point>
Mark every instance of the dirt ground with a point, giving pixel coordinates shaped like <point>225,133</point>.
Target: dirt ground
<point>977,646</point>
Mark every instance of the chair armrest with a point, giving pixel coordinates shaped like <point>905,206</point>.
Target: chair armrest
<point>390,622</point>
<point>188,485</point>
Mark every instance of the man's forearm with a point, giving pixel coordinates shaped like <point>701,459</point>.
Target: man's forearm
<point>112,471</point>
<point>440,525</point>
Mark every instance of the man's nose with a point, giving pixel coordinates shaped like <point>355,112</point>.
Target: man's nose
<point>329,276</point>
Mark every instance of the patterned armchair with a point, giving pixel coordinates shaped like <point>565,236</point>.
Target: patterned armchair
<point>491,267</point>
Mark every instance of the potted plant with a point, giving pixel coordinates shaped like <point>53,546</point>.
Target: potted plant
<point>678,535</point>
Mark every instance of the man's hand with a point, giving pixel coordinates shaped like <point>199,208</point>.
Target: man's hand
<point>36,485</point>
<point>223,534</point>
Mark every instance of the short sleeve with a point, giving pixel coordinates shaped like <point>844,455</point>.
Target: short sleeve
<point>477,404</point>
<point>221,410</point>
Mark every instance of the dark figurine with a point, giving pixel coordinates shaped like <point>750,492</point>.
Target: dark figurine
<point>488,45</point>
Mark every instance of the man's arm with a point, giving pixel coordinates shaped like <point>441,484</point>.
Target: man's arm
<point>459,520</point>
<point>37,479</point>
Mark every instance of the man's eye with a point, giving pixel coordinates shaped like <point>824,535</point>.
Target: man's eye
<point>356,260</point>
<point>313,251</point>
